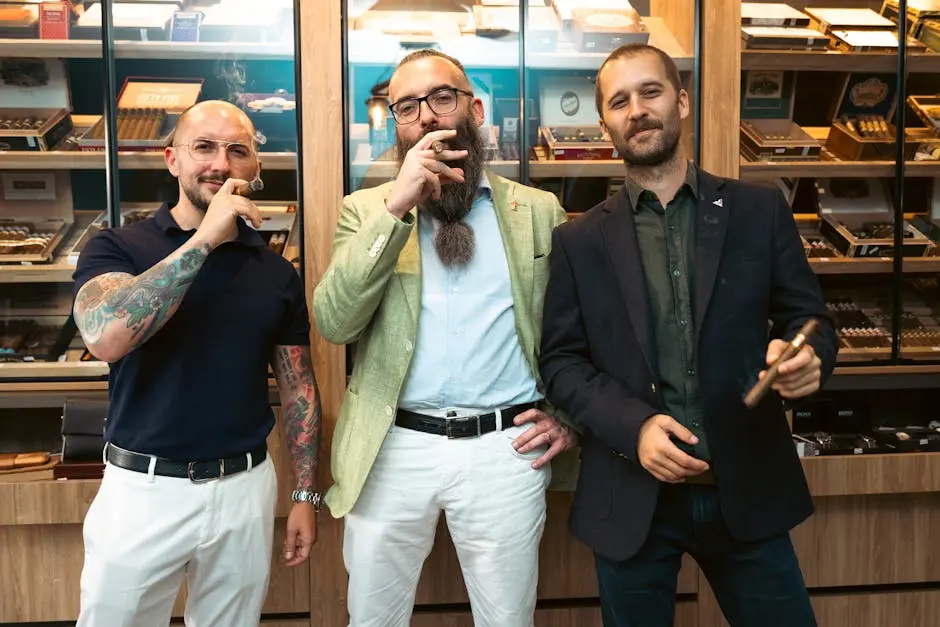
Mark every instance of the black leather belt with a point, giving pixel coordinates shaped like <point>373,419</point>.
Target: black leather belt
<point>197,472</point>
<point>460,427</point>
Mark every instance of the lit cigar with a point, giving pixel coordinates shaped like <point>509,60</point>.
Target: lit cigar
<point>255,185</point>
<point>438,146</point>
<point>758,391</point>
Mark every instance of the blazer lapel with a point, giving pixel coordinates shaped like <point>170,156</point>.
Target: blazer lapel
<point>514,215</point>
<point>710,227</point>
<point>408,269</point>
<point>619,232</point>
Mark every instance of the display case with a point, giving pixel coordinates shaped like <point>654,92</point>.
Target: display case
<point>533,65</point>
<point>68,70</point>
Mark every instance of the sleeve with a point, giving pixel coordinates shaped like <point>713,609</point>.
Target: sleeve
<point>102,254</point>
<point>295,330</point>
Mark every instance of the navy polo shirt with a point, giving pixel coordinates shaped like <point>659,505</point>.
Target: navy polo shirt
<point>198,389</point>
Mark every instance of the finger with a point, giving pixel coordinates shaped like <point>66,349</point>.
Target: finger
<point>670,468</point>
<point>425,142</point>
<point>290,544</point>
<point>774,349</point>
<point>301,553</point>
<point>799,392</point>
<point>443,170</point>
<point>663,473</point>
<point>683,459</point>
<point>532,437</point>
<point>432,182</point>
<point>247,209</point>
<point>797,379</point>
<point>557,447</point>
<point>673,427</point>
<point>451,155</point>
<point>529,415</point>
<point>800,360</point>
<point>228,187</point>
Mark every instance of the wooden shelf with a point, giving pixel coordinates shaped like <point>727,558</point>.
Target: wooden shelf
<point>53,370</point>
<point>832,61</point>
<point>874,265</point>
<point>91,49</point>
<point>835,169</point>
<point>78,160</point>
<point>853,475</point>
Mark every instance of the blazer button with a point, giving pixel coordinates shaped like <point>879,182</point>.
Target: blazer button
<point>408,346</point>
<point>653,387</point>
<point>388,410</point>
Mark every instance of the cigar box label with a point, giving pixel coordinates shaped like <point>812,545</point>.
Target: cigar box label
<point>766,94</point>
<point>869,93</point>
<point>54,20</point>
<point>185,26</point>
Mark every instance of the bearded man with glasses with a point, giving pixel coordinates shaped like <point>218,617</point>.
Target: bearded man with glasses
<point>438,278</point>
<point>189,307</point>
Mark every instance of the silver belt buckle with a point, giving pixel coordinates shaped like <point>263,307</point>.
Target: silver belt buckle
<point>189,472</point>
<point>449,432</point>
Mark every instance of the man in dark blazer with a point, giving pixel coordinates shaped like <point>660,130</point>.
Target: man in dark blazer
<point>665,304</point>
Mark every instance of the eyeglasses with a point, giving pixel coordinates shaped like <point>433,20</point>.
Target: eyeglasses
<point>441,102</point>
<point>201,149</point>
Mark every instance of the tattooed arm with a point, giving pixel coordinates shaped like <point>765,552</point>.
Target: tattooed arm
<point>300,402</point>
<point>116,312</point>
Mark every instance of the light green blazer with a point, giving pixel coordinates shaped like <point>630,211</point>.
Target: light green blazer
<point>371,293</point>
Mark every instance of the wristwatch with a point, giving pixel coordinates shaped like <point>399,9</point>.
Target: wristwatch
<point>307,496</point>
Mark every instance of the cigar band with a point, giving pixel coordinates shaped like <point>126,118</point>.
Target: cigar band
<point>437,146</point>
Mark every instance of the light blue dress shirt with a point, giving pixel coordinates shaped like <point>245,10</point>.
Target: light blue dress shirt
<point>467,352</point>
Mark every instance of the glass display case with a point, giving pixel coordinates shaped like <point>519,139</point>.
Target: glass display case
<point>89,92</point>
<point>838,101</point>
<point>533,64</point>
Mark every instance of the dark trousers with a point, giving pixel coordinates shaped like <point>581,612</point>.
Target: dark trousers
<point>757,584</point>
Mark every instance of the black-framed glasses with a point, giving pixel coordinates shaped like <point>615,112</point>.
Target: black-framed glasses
<point>441,102</point>
<point>202,149</point>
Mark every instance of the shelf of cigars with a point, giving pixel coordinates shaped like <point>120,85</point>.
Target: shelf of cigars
<point>783,47</point>
<point>156,29</point>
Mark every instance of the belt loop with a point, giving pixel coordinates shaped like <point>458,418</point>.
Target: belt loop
<point>248,455</point>
<point>151,468</point>
<point>104,453</point>
<point>499,419</point>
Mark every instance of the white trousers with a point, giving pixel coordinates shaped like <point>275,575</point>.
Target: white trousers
<point>143,533</point>
<point>494,505</point>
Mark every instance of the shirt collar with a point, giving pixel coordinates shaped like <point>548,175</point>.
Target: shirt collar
<point>168,224</point>
<point>484,187</point>
<point>635,192</point>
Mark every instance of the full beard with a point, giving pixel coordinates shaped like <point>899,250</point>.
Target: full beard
<point>662,152</point>
<point>454,240</point>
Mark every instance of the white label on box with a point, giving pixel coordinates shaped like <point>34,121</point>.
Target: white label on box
<point>28,185</point>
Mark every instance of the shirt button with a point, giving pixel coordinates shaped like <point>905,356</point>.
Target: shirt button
<point>653,387</point>
<point>408,345</point>
<point>388,410</point>
<point>380,238</point>
<point>682,323</point>
<point>676,273</point>
<point>691,372</point>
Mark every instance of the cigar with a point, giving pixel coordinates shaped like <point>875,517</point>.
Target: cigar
<point>255,185</point>
<point>438,146</point>
<point>154,120</point>
<point>760,390</point>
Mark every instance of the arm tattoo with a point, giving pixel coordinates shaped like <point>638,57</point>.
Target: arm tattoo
<point>302,412</point>
<point>144,302</point>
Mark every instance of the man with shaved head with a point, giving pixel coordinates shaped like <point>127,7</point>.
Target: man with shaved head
<point>189,307</point>
<point>438,277</point>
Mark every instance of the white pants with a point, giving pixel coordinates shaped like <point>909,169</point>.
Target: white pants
<point>494,504</point>
<point>144,533</point>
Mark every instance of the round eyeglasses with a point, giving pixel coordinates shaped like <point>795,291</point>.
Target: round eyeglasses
<point>441,102</point>
<point>201,149</point>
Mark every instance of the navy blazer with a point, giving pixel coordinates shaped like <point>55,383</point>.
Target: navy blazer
<point>752,282</point>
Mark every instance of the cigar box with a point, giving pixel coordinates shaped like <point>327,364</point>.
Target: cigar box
<point>605,30</point>
<point>35,214</point>
<point>419,27</point>
<point>34,104</point>
<point>772,14</point>
<point>499,22</point>
<point>907,438</point>
<point>782,38</point>
<point>30,340</point>
<point>275,118</point>
<point>927,109</point>
<point>55,20</point>
<point>143,21</point>
<point>767,94</point>
<point>918,12</point>
<point>871,235</point>
<point>826,20</point>
<point>147,111</point>
<point>576,143</point>
<point>866,138</point>
<point>815,244</point>
<point>931,228</point>
<point>871,41</point>
<point>775,140</point>
<point>19,21</point>
<point>930,34</point>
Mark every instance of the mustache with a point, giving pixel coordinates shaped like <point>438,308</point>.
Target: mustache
<point>644,124</point>
<point>211,179</point>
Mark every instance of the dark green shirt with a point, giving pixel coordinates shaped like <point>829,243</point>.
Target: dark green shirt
<point>667,242</point>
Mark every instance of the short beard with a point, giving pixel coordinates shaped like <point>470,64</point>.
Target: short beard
<point>195,197</point>
<point>454,240</point>
<point>669,143</point>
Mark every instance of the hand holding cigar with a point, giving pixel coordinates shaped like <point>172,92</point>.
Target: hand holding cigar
<point>254,185</point>
<point>794,369</point>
